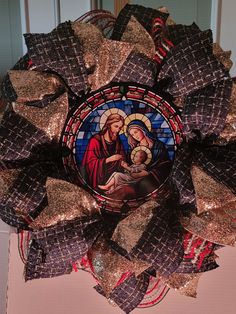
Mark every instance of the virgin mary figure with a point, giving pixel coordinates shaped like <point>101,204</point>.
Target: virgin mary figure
<point>157,170</point>
<point>160,165</point>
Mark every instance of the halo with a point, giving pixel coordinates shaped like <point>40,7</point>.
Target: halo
<point>108,112</point>
<point>145,149</point>
<point>137,116</point>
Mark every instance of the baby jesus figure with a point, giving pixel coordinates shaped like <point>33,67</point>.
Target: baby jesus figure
<point>119,178</point>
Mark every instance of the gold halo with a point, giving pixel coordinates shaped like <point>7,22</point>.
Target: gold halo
<point>137,116</point>
<point>145,149</point>
<point>107,113</point>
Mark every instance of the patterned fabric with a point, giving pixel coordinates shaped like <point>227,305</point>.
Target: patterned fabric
<point>181,176</point>
<point>23,63</point>
<point>54,249</point>
<point>198,255</point>
<point>59,52</point>
<point>178,33</point>
<point>137,68</point>
<point>161,243</point>
<point>7,89</point>
<point>191,65</point>
<point>219,162</point>
<point>9,216</point>
<point>188,267</point>
<point>129,294</point>
<point>162,43</point>
<point>21,142</point>
<point>203,113</point>
<point>144,15</point>
<point>26,198</point>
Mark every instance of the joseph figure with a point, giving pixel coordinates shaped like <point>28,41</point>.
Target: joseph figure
<point>104,152</point>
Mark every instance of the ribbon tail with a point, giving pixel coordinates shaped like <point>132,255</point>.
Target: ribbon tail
<point>130,293</point>
<point>53,250</point>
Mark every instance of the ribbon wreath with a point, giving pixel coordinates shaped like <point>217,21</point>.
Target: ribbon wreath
<point>172,240</point>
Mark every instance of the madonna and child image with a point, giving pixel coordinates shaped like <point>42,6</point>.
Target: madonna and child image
<point>123,148</point>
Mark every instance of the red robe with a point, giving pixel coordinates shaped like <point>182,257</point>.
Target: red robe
<point>94,160</point>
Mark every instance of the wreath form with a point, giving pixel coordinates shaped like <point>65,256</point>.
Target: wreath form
<point>168,243</point>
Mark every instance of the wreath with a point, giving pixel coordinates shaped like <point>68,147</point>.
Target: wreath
<point>118,153</point>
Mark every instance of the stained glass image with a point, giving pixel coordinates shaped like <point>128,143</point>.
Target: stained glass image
<point>121,143</point>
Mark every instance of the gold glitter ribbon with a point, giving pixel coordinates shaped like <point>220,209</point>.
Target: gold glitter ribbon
<point>222,56</point>
<point>137,35</point>
<point>7,177</point>
<point>50,119</point>
<point>110,58</point>
<point>213,222</point>
<point>130,229</point>
<point>109,266</point>
<point>33,85</point>
<point>66,201</point>
<point>229,132</point>
<point>185,284</point>
<point>91,39</point>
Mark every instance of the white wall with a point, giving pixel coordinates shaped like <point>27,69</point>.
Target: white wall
<point>72,9</point>
<point>228,29</point>
<point>4,247</point>
<point>42,16</point>
<point>10,34</point>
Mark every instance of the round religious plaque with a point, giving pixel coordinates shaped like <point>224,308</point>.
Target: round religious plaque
<point>120,144</point>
